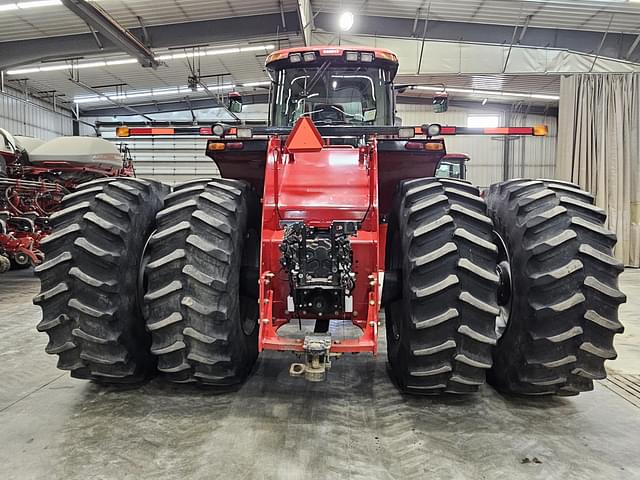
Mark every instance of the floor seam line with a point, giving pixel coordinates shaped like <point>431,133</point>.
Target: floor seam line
<point>31,393</point>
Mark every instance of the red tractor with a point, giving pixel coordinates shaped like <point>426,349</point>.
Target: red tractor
<point>34,176</point>
<point>320,219</point>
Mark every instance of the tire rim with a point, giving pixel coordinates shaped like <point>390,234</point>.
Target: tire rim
<point>393,317</point>
<point>505,287</point>
<point>251,258</point>
<point>142,278</point>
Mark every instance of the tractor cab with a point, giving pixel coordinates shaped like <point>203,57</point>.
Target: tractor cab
<point>453,165</point>
<point>332,86</point>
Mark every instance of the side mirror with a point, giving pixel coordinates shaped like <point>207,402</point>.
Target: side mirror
<point>440,102</point>
<point>370,115</point>
<point>235,102</point>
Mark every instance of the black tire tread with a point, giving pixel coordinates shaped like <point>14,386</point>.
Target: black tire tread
<point>89,274</point>
<point>449,302</point>
<point>192,301</point>
<point>565,310</point>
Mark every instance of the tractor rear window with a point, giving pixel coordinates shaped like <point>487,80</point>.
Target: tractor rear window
<point>332,95</point>
<point>449,170</point>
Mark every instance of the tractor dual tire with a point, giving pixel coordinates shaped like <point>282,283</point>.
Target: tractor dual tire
<point>441,324</point>
<point>564,284</point>
<point>203,322</point>
<point>89,279</point>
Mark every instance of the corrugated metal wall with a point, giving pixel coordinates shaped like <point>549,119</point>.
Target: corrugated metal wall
<point>533,157</point>
<point>33,118</point>
<point>171,160</point>
<point>527,156</point>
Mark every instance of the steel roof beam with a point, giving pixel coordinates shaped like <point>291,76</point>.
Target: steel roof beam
<point>102,22</point>
<point>305,19</point>
<point>22,52</point>
<point>576,40</point>
<point>633,46</point>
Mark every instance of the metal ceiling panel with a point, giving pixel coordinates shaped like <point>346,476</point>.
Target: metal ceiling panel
<point>624,16</point>
<point>57,20</point>
<point>540,84</point>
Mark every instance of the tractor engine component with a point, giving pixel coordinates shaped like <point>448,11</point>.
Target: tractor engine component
<point>319,264</point>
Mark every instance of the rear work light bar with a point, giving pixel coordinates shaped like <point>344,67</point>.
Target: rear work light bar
<point>124,132</point>
<point>244,132</point>
<point>537,131</point>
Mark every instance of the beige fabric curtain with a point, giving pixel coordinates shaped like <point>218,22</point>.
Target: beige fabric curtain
<point>599,149</point>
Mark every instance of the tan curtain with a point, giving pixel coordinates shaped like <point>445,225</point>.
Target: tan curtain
<point>599,149</point>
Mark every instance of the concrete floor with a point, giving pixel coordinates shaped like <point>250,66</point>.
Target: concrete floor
<point>355,426</point>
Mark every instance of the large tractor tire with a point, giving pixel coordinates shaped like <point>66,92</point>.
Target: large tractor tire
<point>89,280</point>
<point>441,322</point>
<point>201,305</point>
<point>564,296</point>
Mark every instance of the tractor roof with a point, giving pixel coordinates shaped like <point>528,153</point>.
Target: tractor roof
<point>379,56</point>
<point>457,156</point>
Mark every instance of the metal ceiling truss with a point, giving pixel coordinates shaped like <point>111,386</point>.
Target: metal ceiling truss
<point>103,23</point>
<point>22,52</point>
<point>305,19</point>
<point>615,45</point>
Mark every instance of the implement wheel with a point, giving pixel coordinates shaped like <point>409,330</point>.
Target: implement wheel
<point>440,314</point>
<point>564,294</point>
<point>201,305</point>
<point>89,279</point>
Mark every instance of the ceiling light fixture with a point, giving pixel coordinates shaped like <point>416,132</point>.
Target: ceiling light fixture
<point>146,93</point>
<point>129,60</point>
<point>488,93</point>
<point>212,52</point>
<point>113,96</point>
<point>25,5</point>
<point>256,84</point>
<point>346,21</point>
